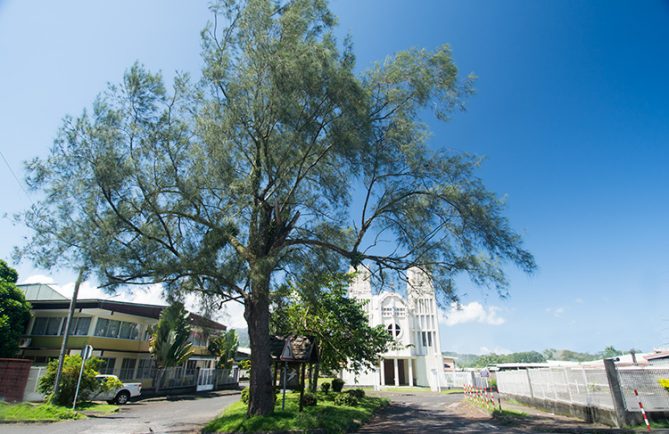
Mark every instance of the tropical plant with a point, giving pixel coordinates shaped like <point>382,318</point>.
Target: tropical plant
<point>169,343</point>
<point>226,186</point>
<point>14,311</point>
<point>224,348</point>
<point>69,378</point>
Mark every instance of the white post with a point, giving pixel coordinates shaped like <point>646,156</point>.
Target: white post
<point>383,373</point>
<point>396,372</point>
<point>410,362</point>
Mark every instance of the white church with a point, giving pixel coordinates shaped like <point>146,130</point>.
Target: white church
<point>413,321</point>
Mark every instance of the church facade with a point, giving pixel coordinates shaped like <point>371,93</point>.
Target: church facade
<point>413,321</point>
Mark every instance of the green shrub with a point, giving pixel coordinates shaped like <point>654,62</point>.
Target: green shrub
<point>309,399</point>
<point>325,387</point>
<point>69,377</point>
<point>346,399</point>
<point>245,395</point>
<point>337,385</point>
<point>357,393</point>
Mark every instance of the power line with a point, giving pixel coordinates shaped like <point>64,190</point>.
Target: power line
<point>16,178</point>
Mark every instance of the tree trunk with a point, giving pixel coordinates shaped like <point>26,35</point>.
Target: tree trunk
<point>256,312</point>
<point>314,379</point>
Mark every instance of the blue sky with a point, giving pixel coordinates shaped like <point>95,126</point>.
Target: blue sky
<point>571,113</point>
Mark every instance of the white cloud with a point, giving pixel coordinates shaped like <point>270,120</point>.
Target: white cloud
<point>38,278</point>
<point>555,311</point>
<point>472,312</point>
<point>231,314</point>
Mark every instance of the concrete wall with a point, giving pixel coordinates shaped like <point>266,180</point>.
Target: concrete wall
<point>588,414</point>
<point>13,378</point>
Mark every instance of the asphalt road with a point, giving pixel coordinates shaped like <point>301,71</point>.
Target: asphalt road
<point>427,412</point>
<point>174,415</point>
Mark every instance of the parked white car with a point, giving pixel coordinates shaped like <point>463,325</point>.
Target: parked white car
<point>120,395</point>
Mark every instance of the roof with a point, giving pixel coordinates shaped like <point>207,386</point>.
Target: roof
<point>40,291</point>
<point>143,310</point>
<point>657,356</point>
<point>299,349</point>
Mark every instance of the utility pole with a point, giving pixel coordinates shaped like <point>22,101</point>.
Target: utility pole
<point>66,333</point>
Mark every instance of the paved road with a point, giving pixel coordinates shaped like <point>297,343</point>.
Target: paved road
<point>173,415</point>
<point>427,412</point>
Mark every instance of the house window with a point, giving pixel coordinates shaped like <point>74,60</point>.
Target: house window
<point>46,326</point>
<point>108,365</point>
<point>127,369</point>
<point>110,328</point>
<point>79,326</point>
<point>145,368</point>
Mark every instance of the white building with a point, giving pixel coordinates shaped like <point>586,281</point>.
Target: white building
<point>413,321</point>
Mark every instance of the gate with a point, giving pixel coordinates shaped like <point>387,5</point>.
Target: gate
<point>205,380</point>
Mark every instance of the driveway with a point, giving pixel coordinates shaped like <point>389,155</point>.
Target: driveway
<point>184,414</point>
<point>427,412</point>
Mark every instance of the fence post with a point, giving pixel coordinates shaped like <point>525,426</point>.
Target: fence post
<point>529,383</point>
<point>616,392</point>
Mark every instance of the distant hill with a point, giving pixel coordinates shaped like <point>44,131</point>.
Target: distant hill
<point>478,361</point>
<point>243,334</point>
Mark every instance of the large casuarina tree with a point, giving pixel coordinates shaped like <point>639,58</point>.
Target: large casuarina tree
<point>283,161</point>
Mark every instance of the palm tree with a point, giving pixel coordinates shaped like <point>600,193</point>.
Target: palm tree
<point>169,343</point>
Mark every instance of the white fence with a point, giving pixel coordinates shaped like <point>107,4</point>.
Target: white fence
<point>653,396</point>
<point>168,378</point>
<point>30,393</point>
<point>587,387</point>
<point>464,378</point>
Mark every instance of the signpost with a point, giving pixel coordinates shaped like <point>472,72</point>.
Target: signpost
<point>86,354</point>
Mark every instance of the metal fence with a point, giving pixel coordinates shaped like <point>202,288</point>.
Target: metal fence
<point>464,378</point>
<point>646,380</point>
<point>588,387</point>
<point>165,379</point>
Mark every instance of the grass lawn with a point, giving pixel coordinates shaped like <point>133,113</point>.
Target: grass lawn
<point>27,411</point>
<point>94,407</point>
<point>46,412</point>
<point>326,415</point>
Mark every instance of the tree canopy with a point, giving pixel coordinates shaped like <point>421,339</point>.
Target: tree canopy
<point>340,324</point>
<point>14,311</point>
<point>232,185</point>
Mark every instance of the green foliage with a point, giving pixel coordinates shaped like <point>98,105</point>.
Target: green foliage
<point>69,377</point>
<point>522,357</point>
<point>245,395</point>
<point>326,417</point>
<point>610,352</point>
<point>218,186</point>
<point>14,311</point>
<point>31,412</point>
<point>224,348</point>
<point>357,393</point>
<point>309,399</point>
<point>325,387</point>
<point>169,343</point>
<point>346,399</point>
<point>664,382</point>
<point>321,308</point>
<point>337,385</point>
<point>245,364</point>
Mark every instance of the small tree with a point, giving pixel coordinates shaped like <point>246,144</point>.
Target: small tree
<point>169,342</point>
<point>69,377</point>
<point>224,347</point>
<point>345,337</point>
<point>14,311</point>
